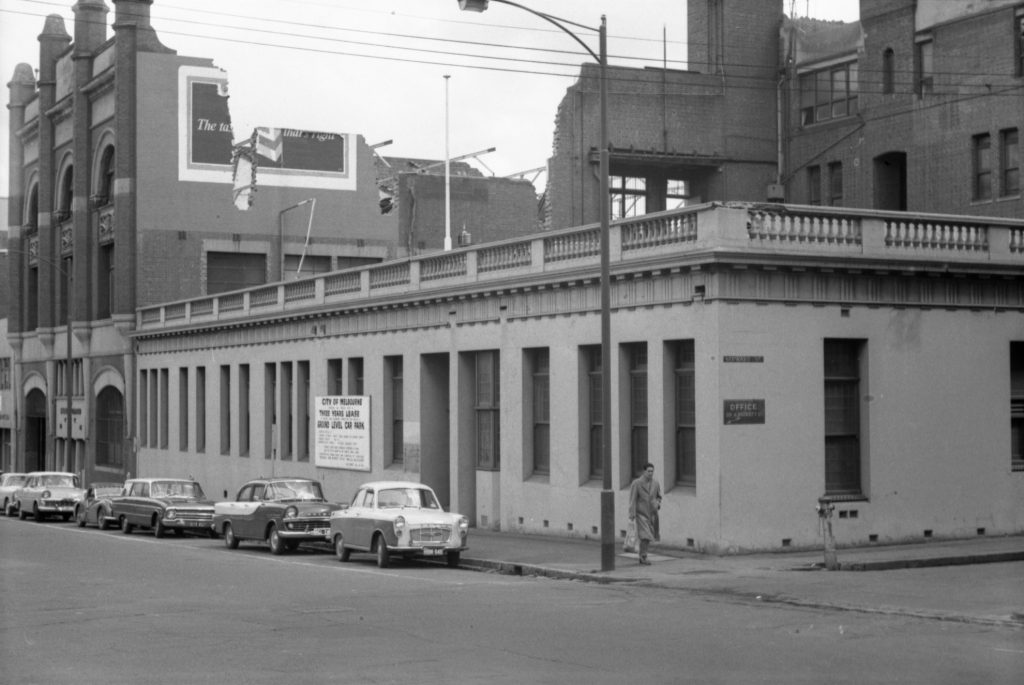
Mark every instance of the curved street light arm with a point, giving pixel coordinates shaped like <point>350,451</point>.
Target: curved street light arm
<point>559,22</point>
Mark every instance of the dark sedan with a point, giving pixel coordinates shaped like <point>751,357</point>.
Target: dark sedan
<point>95,509</point>
<point>282,512</point>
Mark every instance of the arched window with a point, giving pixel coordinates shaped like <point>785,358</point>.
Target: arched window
<point>31,219</point>
<point>888,71</point>
<point>66,193</point>
<point>110,427</point>
<point>105,178</point>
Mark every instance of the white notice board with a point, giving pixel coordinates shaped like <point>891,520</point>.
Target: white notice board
<point>343,432</point>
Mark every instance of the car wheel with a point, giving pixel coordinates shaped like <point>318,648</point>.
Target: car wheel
<point>159,529</point>
<point>35,512</point>
<point>22,514</point>
<point>6,510</point>
<point>230,541</point>
<point>80,516</point>
<point>382,552</point>
<point>277,544</point>
<point>340,550</point>
<point>126,527</point>
<point>453,559</point>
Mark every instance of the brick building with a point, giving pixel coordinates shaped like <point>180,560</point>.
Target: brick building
<point>917,106</point>
<point>121,195</point>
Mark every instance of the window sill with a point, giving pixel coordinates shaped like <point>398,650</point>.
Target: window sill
<point>845,498</point>
<point>541,478</point>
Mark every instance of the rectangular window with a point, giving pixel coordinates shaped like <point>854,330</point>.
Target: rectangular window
<point>538,402</point>
<point>200,409</point>
<point>628,196</point>
<point>32,300</point>
<point>144,408</point>
<point>154,409</point>
<point>225,409</point>
<point>828,93</point>
<point>1017,406</point>
<point>924,60</point>
<point>685,411</point>
<point>355,376</point>
<point>302,387</point>
<point>183,409</point>
<point>593,415</point>
<point>637,353</point>
<point>5,373</point>
<point>1009,162</point>
<point>165,407</point>
<point>270,409</point>
<point>982,165</point>
<point>287,414</point>
<point>487,411</point>
<point>227,271</point>
<point>243,410</point>
<point>105,282</point>
<point>334,377</point>
<point>842,417</point>
<point>395,401</point>
<point>814,185</point>
<point>67,287</point>
<point>835,184</point>
<point>1019,41</point>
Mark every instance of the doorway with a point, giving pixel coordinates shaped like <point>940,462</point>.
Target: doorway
<point>891,181</point>
<point>435,462</point>
<point>35,431</point>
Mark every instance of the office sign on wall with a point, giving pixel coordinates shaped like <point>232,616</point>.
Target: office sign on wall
<point>743,411</point>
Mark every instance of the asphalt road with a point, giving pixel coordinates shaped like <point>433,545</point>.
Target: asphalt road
<point>85,606</point>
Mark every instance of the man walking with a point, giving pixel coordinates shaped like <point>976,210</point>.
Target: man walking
<point>644,503</point>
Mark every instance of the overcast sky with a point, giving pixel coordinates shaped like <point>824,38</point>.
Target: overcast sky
<point>377,67</point>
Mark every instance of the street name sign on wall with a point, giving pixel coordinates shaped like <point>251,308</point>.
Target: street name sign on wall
<point>343,432</point>
<point>743,411</point>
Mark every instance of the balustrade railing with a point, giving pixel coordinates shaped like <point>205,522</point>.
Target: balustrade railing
<point>940,235</point>
<point>830,232</point>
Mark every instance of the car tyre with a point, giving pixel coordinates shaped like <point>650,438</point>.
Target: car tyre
<point>80,516</point>
<point>6,510</point>
<point>35,513</point>
<point>383,558</point>
<point>101,519</point>
<point>126,527</point>
<point>159,529</point>
<point>453,559</point>
<point>230,541</point>
<point>277,543</point>
<point>22,514</point>
<point>340,550</point>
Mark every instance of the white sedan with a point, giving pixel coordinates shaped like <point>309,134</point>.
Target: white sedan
<point>401,518</point>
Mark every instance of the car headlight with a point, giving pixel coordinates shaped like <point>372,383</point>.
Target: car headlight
<point>399,523</point>
<point>463,526</point>
<point>170,514</point>
<point>45,494</point>
<point>291,512</point>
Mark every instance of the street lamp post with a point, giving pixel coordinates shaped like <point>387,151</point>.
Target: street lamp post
<point>280,233</point>
<point>607,495</point>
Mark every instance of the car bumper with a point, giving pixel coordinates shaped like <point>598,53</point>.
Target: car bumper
<point>428,550</point>
<point>188,524</point>
<point>305,529</point>
<point>62,507</point>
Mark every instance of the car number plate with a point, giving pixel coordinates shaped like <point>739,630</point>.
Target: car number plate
<point>320,531</point>
<point>196,524</point>
<point>432,551</point>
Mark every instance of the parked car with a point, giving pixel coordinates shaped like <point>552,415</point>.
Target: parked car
<point>96,507</point>
<point>9,483</point>
<point>280,511</point>
<point>49,493</point>
<point>396,517</point>
<point>163,504</point>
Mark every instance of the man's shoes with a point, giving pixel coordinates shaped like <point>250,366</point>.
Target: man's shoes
<point>644,562</point>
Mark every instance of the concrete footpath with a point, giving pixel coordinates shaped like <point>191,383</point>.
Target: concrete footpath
<point>888,579</point>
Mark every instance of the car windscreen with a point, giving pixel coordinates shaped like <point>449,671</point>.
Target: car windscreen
<point>59,481</point>
<point>294,490</point>
<point>177,488</point>
<point>14,480</point>
<point>407,497</point>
